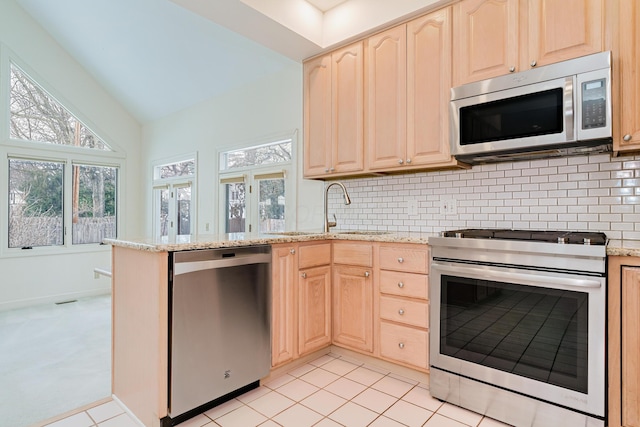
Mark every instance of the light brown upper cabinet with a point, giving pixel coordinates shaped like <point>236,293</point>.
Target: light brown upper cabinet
<point>627,137</point>
<point>496,37</point>
<point>334,113</point>
<point>408,76</point>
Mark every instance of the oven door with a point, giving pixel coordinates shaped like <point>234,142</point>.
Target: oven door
<point>512,120</point>
<point>537,333</point>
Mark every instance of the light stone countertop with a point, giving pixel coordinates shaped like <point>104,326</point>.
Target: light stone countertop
<point>623,248</point>
<point>209,241</point>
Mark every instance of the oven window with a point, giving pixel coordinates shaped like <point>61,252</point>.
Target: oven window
<point>535,114</point>
<point>529,331</point>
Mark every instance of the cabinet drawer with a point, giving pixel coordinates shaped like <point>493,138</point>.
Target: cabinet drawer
<point>353,254</point>
<point>404,344</point>
<point>314,255</point>
<point>410,312</point>
<point>404,284</point>
<point>413,260</point>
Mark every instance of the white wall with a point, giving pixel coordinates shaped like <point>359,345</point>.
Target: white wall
<point>67,274</point>
<point>268,107</point>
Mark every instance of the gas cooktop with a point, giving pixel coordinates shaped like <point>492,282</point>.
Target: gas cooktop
<point>562,237</point>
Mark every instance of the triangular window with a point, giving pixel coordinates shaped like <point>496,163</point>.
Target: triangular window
<point>37,116</point>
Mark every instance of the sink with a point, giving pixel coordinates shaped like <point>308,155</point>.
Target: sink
<point>364,232</point>
<point>294,233</point>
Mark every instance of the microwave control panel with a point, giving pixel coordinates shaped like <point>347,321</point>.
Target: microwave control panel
<point>594,104</point>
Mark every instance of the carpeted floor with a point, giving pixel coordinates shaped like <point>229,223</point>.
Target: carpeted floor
<point>54,358</point>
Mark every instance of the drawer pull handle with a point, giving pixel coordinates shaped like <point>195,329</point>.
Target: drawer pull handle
<point>304,275</point>
<point>400,260</point>
<point>401,312</point>
<point>400,285</point>
<point>401,345</point>
<point>366,274</point>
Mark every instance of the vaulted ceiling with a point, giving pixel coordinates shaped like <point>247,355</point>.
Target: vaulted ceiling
<point>157,57</point>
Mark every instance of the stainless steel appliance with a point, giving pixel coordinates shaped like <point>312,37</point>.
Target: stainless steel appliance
<point>517,325</point>
<point>558,109</point>
<point>220,342</point>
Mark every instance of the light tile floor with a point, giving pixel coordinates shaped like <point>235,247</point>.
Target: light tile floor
<point>327,392</point>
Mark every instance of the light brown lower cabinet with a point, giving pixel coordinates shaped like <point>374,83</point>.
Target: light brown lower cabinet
<point>404,304</point>
<point>353,295</point>
<point>624,341</point>
<point>353,307</point>
<point>301,300</point>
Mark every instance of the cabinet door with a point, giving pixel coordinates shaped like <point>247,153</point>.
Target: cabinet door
<point>317,116</point>
<point>314,309</point>
<point>348,109</point>
<point>560,30</point>
<point>387,98</point>
<point>284,303</point>
<point>628,138</point>
<point>485,40</point>
<point>630,340</point>
<point>428,83</point>
<point>353,307</point>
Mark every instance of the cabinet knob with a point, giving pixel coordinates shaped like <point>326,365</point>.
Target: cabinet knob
<point>367,274</point>
<point>401,345</point>
<point>408,161</point>
<point>627,137</point>
<point>292,251</point>
<point>304,275</point>
<point>326,170</point>
<point>400,161</point>
<point>400,260</point>
<point>512,69</point>
<point>332,169</point>
<point>400,285</point>
<point>534,63</point>
<point>401,312</point>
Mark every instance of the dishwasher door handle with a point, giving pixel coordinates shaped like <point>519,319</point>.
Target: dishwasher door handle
<point>193,266</point>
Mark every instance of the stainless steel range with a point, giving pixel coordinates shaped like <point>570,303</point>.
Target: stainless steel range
<point>518,325</point>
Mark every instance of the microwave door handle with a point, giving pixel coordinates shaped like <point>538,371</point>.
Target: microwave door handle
<point>568,102</point>
<point>520,278</point>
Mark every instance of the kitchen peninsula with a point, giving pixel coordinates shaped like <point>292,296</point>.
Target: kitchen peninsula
<point>141,312</point>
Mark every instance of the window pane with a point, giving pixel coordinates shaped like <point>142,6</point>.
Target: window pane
<point>183,208</point>
<point>35,203</point>
<point>94,204</point>
<point>36,116</point>
<point>277,152</point>
<point>271,205</point>
<point>162,210</point>
<point>186,168</point>
<point>235,207</point>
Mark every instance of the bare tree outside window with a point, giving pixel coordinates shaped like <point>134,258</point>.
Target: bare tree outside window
<point>36,214</point>
<point>277,152</point>
<point>94,204</point>
<point>36,116</point>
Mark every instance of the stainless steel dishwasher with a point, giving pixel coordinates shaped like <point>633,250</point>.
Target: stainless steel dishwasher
<point>220,331</point>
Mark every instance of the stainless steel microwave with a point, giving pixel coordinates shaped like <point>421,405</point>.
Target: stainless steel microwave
<point>555,110</point>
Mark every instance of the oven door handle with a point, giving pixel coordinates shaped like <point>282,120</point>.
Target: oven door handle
<point>529,279</point>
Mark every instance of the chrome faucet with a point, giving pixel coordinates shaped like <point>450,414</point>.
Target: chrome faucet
<point>347,201</point>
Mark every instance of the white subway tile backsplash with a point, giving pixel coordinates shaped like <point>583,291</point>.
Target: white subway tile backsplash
<point>574,193</point>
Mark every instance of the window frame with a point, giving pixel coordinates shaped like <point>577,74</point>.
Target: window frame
<point>173,184</point>
<point>42,151</point>
<point>249,173</point>
<point>68,160</point>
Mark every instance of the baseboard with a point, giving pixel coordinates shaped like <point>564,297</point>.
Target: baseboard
<point>71,412</point>
<point>52,299</point>
<point>131,414</point>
